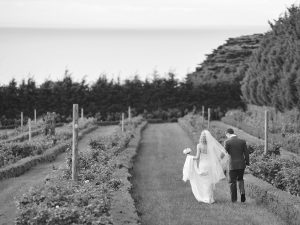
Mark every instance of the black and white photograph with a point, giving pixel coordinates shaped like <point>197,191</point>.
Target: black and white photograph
<point>149,112</point>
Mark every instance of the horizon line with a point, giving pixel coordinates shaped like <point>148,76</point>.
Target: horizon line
<point>207,27</point>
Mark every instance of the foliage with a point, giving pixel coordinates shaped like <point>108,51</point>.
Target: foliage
<point>282,173</point>
<point>195,122</point>
<point>283,127</point>
<point>14,151</point>
<point>162,97</point>
<point>227,62</point>
<point>62,201</point>
<point>272,75</point>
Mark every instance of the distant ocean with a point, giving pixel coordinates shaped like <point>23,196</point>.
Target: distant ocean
<point>45,54</point>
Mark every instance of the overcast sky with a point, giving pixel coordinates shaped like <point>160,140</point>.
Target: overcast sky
<point>139,13</point>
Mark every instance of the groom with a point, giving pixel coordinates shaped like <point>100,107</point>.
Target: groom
<point>239,158</point>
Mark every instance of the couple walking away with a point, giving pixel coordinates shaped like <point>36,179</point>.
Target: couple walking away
<point>208,167</point>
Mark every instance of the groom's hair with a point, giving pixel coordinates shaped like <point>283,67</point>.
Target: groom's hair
<point>230,131</point>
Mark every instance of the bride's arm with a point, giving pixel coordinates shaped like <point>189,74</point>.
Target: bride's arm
<point>197,156</point>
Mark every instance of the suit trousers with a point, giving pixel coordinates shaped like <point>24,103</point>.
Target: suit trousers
<point>236,176</point>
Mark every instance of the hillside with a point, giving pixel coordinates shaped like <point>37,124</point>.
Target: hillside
<point>225,61</point>
<point>272,77</point>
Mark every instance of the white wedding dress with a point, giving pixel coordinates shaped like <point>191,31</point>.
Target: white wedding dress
<point>210,170</point>
<point>201,183</point>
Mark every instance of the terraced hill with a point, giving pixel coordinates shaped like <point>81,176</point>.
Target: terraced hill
<point>226,62</point>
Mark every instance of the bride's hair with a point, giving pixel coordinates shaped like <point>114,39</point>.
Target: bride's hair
<point>202,139</point>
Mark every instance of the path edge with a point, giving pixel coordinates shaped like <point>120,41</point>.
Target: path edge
<point>123,209</point>
<point>23,165</point>
<point>279,202</point>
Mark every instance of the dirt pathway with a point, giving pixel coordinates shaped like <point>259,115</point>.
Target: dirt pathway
<point>12,188</point>
<point>164,199</point>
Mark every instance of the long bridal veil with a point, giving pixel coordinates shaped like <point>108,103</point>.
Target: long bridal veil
<point>217,160</point>
<point>218,157</point>
<point>210,170</point>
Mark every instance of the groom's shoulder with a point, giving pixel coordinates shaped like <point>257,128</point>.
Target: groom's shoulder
<point>236,139</point>
<point>227,141</point>
<point>241,140</point>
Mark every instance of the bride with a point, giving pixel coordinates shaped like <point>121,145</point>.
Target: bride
<point>206,168</point>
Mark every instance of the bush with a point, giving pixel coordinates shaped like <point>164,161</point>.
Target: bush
<point>14,151</point>
<point>64,202</point>
<point>282,173</point>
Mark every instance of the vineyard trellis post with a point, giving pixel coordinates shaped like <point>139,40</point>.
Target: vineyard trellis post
<point>122,122</point>
<point>266,131</point>
<point>22,118</point>
<point>208,118</point>
<point>29,129</point>
<point>203,115</point>
<point>35,116</point>
<point>75,143</point>
<point>129,114</point>
<point>81,113</point>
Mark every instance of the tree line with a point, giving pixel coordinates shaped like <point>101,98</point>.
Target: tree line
<point>109,97</point>
<point>272,77</point>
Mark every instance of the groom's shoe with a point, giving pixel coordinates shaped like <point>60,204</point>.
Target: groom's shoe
<point>243,198</point>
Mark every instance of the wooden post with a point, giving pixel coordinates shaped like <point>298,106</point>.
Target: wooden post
<point>54,122</point>
<point>22,119</point>
<point>266,132</point>
<point>81,113</point>
<point>208,118</point>
<point>75,143</point>
<point>122,122</point>
<point>203,115</point>
<point>29,129</point>
<point>35,116</point>
<point>129,113</point>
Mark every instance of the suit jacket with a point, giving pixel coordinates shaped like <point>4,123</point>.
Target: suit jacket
<point>239,155</point>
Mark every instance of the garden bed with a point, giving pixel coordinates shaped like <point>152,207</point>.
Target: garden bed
<point>283,127</point>
<point>90,200</point>
<point>15,149</point>
<point>22,137</point>
<point>23,165</point>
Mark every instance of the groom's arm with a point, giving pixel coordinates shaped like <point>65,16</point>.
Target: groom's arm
<point>246,154</point>
<point>226,146</point>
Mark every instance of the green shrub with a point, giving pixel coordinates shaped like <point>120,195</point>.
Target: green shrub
<point>64,202</point>
<point>282,173</point>
<point>14,151</point>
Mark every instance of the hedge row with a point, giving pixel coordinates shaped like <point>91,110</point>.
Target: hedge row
<point>123,208</point>
<point>283,173</point>
<point>22,137</point>
<point>280,202</point>
<point>87,201</point>
<point>49,155</point>
<point>15,151</point>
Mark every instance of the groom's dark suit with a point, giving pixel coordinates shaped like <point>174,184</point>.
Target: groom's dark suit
<point>239,158</point>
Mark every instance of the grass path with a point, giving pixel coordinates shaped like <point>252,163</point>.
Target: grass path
<point>164,199</point>
<point>12,188</point>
